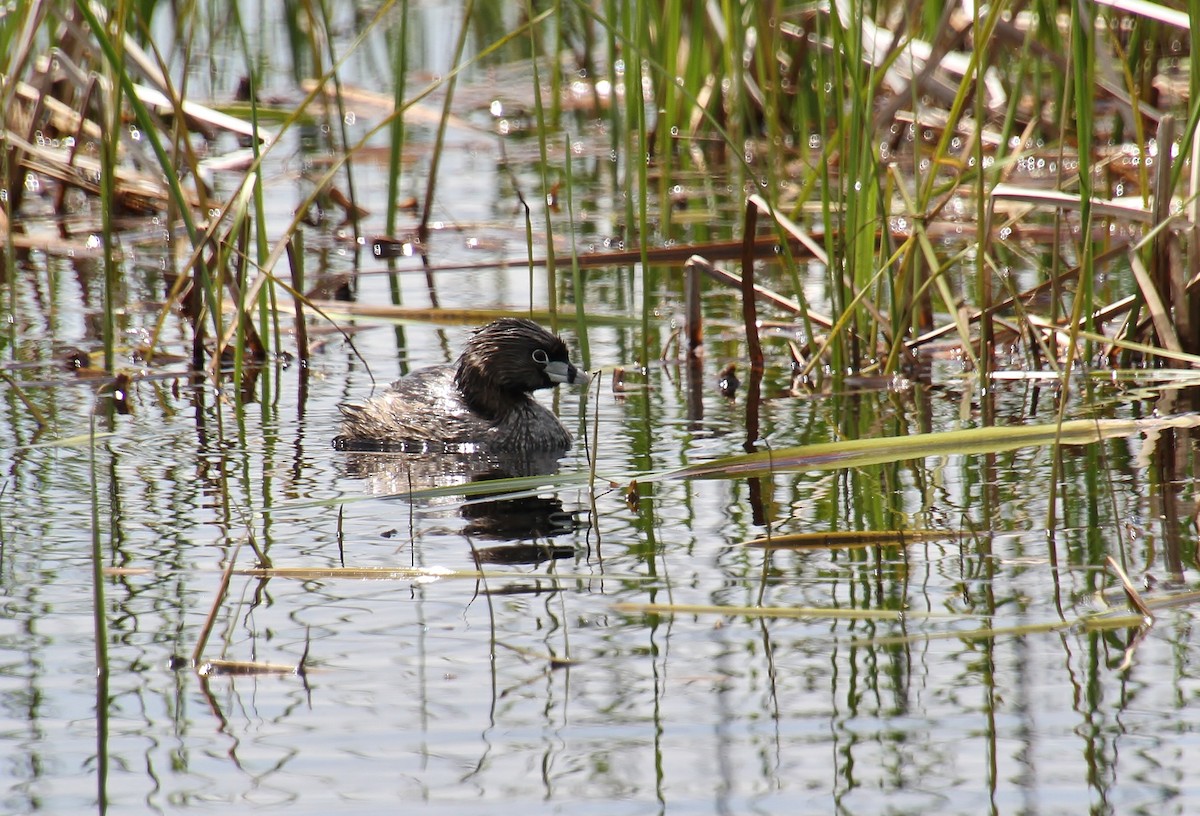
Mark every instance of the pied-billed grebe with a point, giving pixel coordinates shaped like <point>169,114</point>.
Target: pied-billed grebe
<point>482,402</point>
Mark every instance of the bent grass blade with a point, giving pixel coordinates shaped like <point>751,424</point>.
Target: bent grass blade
<point>970,441</point>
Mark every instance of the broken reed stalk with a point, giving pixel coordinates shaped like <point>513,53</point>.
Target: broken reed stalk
<point>210,620</point>
<point>1131,593</point>
<point>693,319</point>
<point>694,329</point>
<point>750,318</point>
<point>749,304</point>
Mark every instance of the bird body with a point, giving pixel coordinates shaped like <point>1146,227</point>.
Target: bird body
<point>482,402</point>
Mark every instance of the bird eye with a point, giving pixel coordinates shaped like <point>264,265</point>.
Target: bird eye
<point>541,357</point>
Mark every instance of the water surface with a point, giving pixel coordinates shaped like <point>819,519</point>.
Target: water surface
<point>547,686</point>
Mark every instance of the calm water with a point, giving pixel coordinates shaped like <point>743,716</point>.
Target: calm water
<point>540,688</point>
<point>454,693</point>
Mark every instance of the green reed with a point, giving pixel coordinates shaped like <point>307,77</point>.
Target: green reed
<point>578,294</point>
<point>784,100</point>
<point>667,101</point>
<point>396,139</point>
<point>447,107</point>
<point>396,133</point>
<point>268,307</point>
<point>99,615</point>
<point>1193,7</point>
<point>1083,75</point>
<point>543,126</point>
<point>111,113</point>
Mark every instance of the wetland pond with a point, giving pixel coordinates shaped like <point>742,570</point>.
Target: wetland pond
<point>293,628</point>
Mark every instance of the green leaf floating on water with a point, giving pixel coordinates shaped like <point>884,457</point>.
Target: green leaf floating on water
<point>966,442</point>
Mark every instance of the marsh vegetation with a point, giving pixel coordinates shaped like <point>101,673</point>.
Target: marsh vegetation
<point>883,497</point>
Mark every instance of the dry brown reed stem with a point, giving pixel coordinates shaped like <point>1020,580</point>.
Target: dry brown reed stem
<point>791,228</point>
<point>753,345</point>
<point>694,320</point>
<point>1056,200</point>
<point>765,246</point>
<point>749,300</point>
<point>949,39</point>
<point>210,621</point>
<point>1131,593</point>
<point>1159,311</point>
<point>1029,294</point>
<point>767,295</point>
<point>1166,270</point>
<point>212,668</point>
